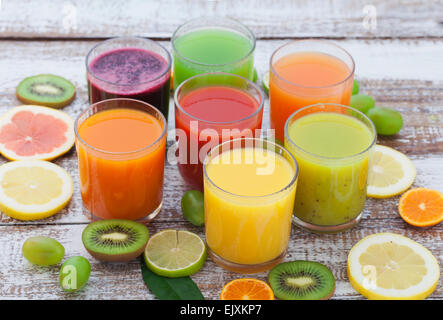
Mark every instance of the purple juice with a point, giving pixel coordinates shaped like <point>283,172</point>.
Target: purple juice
<point>130,73</point>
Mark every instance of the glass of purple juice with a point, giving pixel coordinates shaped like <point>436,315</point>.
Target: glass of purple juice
<point>129,67</point>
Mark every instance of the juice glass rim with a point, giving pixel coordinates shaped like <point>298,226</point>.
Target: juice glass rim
<point>262,141</point>
<point>257,88</point>
<point>168,69</point>
<point>77,134</point>
<point>288,138</point>
<point>328,43</point>
<point>249,31</point>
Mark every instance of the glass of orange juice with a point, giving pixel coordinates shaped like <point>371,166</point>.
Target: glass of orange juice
<point>249,187</point>
<point>305,72</point>
<point>120,147</point>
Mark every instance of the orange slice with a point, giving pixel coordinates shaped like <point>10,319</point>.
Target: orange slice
<point>421,207</point>
<point>247,289</point>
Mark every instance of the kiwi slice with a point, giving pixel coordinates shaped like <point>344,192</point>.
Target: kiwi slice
<point>302,280</point>
<point>115,240</point>
<point>46,90</point>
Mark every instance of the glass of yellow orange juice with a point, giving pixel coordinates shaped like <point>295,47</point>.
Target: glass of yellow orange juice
<point>305,72</point>
<point>120,147</point>
<point>249,188</point>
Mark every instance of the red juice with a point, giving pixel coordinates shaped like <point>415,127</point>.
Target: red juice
<point>130,73</point>
<point>207,116</point>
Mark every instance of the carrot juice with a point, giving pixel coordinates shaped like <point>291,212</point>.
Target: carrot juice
<point>121,148</point>
<point>304,73</point>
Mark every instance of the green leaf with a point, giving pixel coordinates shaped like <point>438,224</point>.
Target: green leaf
<point>170,288</point>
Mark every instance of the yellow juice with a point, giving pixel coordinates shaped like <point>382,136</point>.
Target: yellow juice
<point>249,199</point>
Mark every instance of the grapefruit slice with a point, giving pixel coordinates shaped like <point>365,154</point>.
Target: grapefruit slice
<point>31,132</point>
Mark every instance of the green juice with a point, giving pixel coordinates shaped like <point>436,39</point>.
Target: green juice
<point>212,50</point>
<point>331,151</point>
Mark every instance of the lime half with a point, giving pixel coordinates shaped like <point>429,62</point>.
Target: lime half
<point>265,82</point>
<point>173,253</point>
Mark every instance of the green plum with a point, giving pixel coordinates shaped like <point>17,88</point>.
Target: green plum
<point>362,102</point>
<point>193,207</point>
<point>387,121</point>
<point>74,273</point>
<point>355,87</point>
<point>43,251</point>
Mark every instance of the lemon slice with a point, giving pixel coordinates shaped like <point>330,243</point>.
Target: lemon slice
<point>172,253</point>
<point>391,266</point>
<point>33,189</point>
<point>390,174</point>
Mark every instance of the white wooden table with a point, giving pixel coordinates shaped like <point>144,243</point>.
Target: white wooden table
<point>399,60</point>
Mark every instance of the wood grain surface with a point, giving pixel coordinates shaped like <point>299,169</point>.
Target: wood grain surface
<point>400,64</point>
<point>267,18</point>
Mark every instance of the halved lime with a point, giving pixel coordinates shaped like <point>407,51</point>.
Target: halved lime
<point>172,253</point>
<point>265,82</point>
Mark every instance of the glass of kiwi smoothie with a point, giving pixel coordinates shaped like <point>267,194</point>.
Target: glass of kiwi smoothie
<point>332,144</point>
<point>129,67</point>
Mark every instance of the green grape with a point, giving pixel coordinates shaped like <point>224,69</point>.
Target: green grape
<point>255,76</point>
<point>275,140</point>
<point>193,207</point>
<point>387,121</point>
<point>362,102</point>
<point>355,87</point>
<point>265,82</point>
<point>74,273</point>
<point>43,251</point>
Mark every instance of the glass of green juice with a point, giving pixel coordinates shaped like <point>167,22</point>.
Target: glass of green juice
<point>212,44</point>
<point>332,144</point>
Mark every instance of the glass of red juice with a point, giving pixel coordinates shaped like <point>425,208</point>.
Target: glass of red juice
<point>211,108</point>
<point>129,67</point>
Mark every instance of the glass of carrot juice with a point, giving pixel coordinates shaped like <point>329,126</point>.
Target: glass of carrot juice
<point>249,187</point>
<point>305,72</point>
<point>120,147</point>
<point>332,145</point>
<point>211,108</point>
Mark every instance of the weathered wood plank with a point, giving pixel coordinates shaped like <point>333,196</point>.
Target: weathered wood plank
<point>270,19</point>
<point>385,64</point>
<point>21,280</point>
<point>428,175</point>
<point>416,91</point>
<point>421,138</point>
